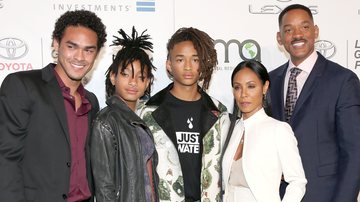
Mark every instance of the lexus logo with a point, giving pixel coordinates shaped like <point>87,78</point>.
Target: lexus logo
<point>12,48</point>
<point>326,48</point>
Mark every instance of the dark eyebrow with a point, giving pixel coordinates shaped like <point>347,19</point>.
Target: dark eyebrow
<point>303,22</point>
<point>251,82</point>
<point>90,47</point>
<point>76,45</point>
<point>71,43</point>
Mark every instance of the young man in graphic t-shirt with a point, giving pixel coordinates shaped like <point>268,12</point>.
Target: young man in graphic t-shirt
<point>186,122</point>
<point>185,117</point>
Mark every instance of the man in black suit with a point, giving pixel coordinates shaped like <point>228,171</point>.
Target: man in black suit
<point>326,115</point>
<point>45,117</point>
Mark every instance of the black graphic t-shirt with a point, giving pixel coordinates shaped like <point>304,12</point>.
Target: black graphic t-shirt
<point>185,117</point>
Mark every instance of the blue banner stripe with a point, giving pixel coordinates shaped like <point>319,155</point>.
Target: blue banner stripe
<point>145,9</point>
<point>142,3</point>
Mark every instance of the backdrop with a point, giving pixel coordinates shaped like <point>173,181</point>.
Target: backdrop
<point>242,30</point>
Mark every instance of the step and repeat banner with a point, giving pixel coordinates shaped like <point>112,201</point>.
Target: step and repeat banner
<point>241,29</point>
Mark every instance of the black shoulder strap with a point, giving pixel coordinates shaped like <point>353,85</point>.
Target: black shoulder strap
<point>233,118</point>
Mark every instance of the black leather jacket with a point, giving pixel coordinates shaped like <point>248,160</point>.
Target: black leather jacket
<point>116,156</point>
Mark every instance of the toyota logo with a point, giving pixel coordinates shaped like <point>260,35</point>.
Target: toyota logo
<point>12,48</point>
<point>326,48</point>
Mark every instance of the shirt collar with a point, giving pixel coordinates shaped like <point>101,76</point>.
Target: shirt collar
<point>307,65</point>
<point>64,88</point>
<point>85,106</point>
<point>254,118</point>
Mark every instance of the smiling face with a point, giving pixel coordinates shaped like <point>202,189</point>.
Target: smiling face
<point>297,34</point>
<point>183,64</point>
<point>77,51</point>
<point>130,85</point>
<point>248,91</point>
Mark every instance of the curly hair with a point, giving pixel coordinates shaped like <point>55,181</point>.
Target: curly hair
<point>82,18</point>
<point>203,44</point>
<point>132,49</point>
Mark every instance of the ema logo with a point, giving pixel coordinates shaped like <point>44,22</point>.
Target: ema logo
<point>248,49</point>
<point>145,6</point>
<point>12,48</point>
<point>326,48</point>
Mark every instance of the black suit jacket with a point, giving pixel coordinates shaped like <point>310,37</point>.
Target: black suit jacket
<point>326,123</point>
<point>35,154</point>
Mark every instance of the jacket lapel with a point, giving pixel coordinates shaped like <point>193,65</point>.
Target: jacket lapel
<point>56,98</point>
<point>91,115</point>
<point>309,85</point>
<point>209,113</point>
<point>161,116</point>
<point>279,95</point>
